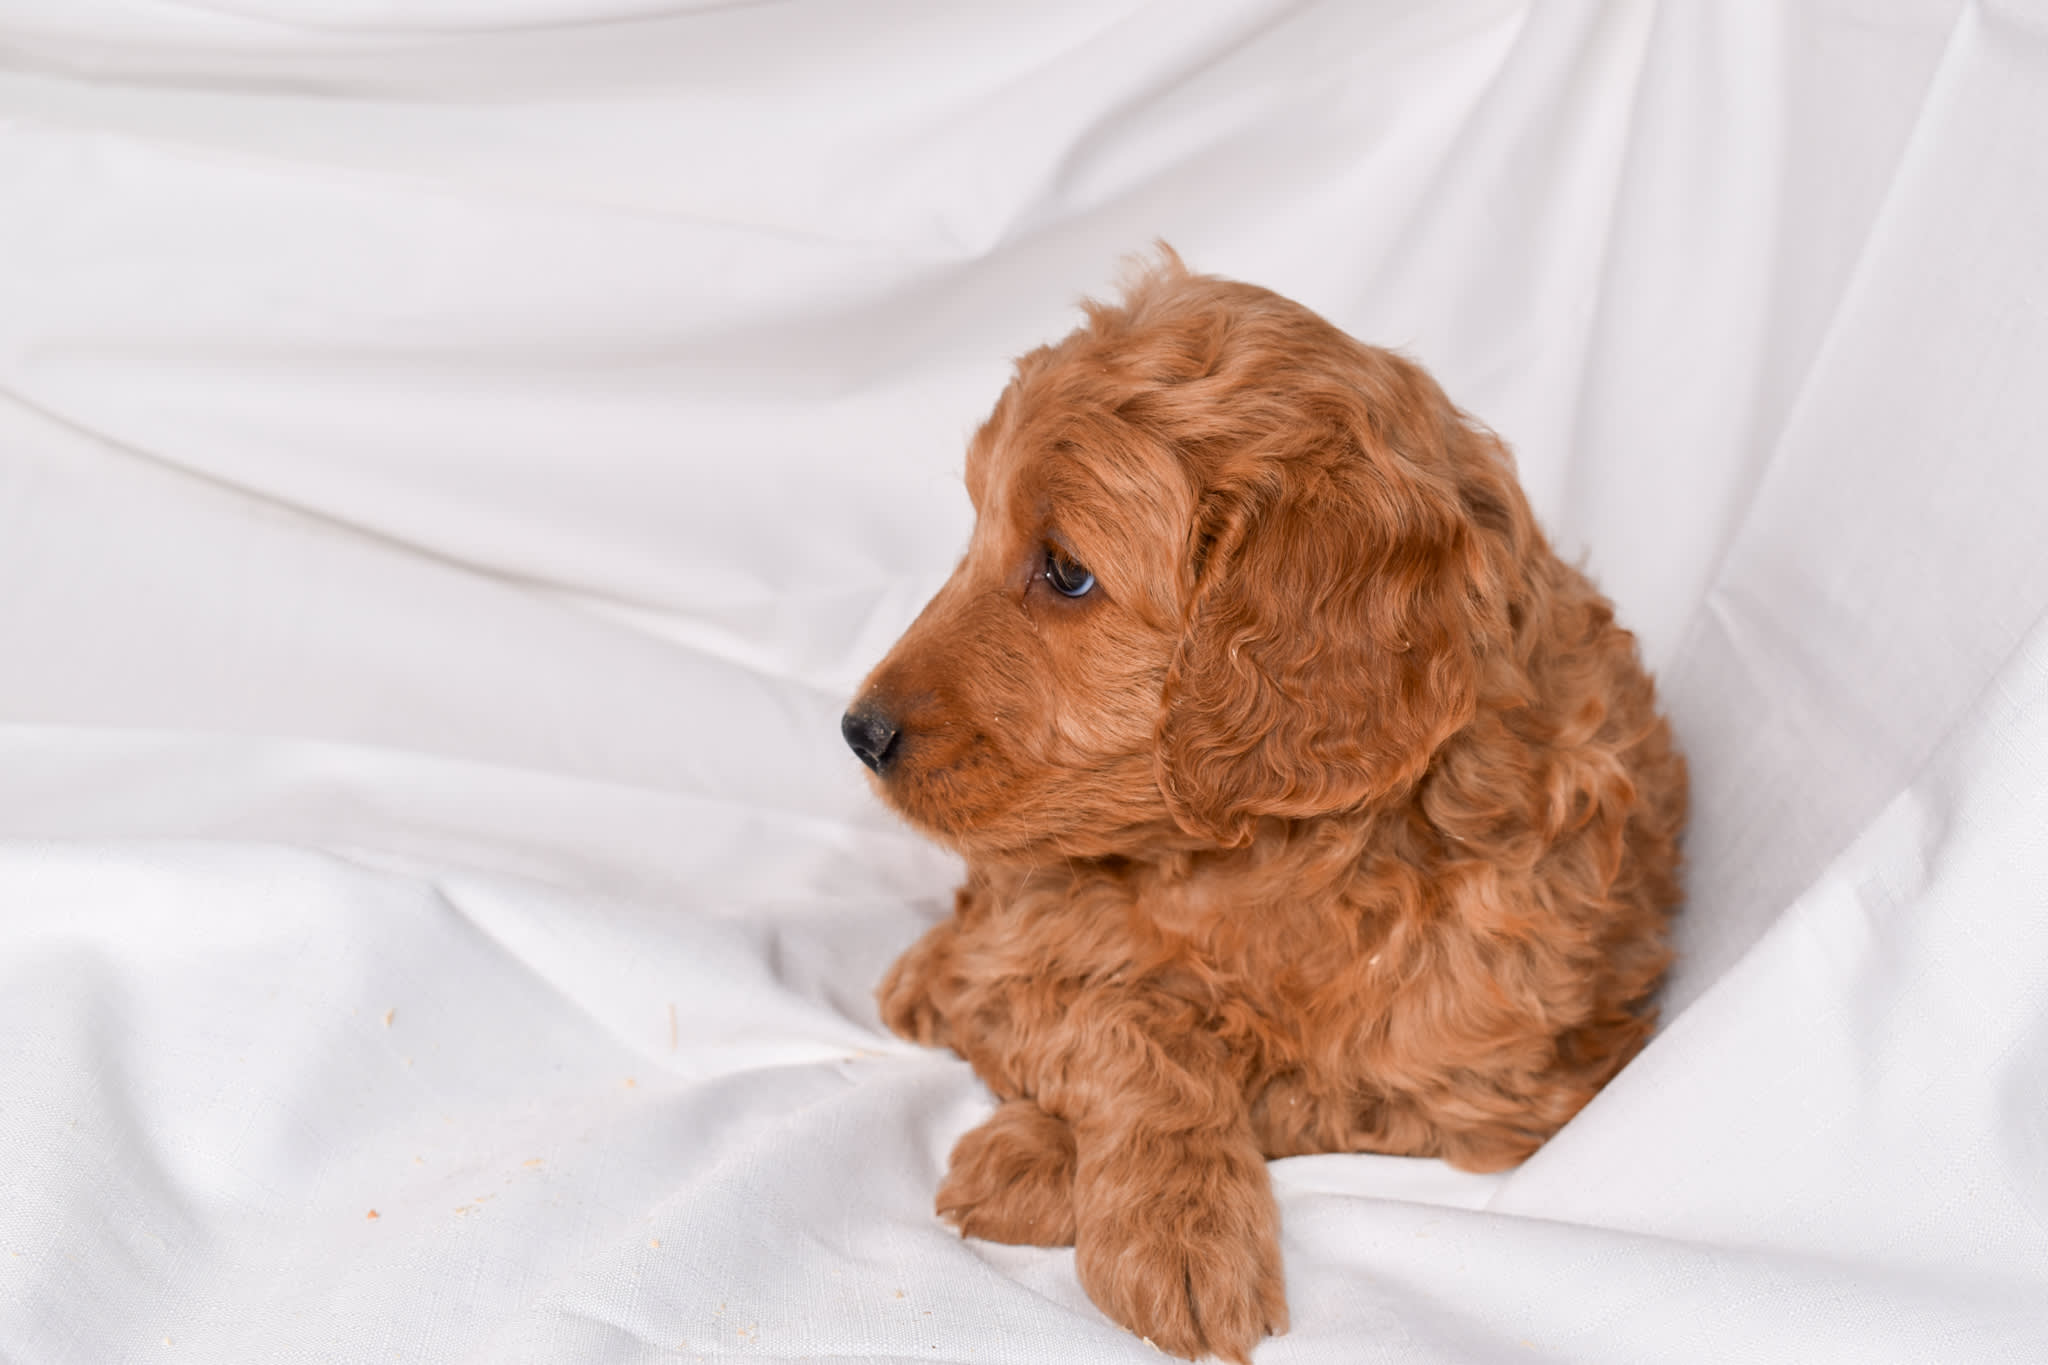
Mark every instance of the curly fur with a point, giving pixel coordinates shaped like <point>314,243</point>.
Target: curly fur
<point>1339,817</point>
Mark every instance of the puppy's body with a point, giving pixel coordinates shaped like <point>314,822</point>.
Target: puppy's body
<point>1333,813</point>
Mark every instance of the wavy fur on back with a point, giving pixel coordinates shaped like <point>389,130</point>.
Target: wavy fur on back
<point>1338,815</point>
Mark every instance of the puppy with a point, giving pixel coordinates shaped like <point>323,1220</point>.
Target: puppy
<point>1309,802</point>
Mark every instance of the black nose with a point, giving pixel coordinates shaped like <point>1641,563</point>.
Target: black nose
<point>871,735</point>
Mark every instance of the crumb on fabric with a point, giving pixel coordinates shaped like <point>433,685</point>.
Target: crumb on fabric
<point>389,1015</point>
<point>372,1216</point>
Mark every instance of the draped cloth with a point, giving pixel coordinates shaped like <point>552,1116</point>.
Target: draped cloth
<point>457,458</point>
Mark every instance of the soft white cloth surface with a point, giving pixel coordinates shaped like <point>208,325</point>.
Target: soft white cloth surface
<point>457,456</point>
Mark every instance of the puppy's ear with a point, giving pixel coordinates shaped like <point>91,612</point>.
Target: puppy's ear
<point>1331,645</point>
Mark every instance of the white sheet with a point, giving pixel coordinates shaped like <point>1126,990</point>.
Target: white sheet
<point>456,457</point>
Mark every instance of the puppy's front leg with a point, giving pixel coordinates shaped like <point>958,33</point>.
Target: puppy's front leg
<point>909,994</point>
<point>1012,1179</point>
<point>1176,1233</point>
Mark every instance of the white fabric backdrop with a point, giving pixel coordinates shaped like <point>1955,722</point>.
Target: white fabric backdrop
<point>456,456</point>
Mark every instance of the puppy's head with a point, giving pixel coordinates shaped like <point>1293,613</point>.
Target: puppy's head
<point>1228,564</point>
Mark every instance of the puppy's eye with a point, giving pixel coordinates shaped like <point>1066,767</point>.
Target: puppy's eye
<point>1067,578</point>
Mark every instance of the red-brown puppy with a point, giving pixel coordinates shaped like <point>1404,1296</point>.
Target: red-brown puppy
<point>1310,802</point>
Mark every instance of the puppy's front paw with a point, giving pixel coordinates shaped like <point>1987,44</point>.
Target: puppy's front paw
<point>1012,1179</point>
<point>1178,1240</point>
<point>905,996</point>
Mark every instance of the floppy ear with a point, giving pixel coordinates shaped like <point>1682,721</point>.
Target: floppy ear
<point>1330,645</point>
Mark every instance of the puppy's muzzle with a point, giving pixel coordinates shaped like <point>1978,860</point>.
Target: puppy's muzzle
<point>872,736</point>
